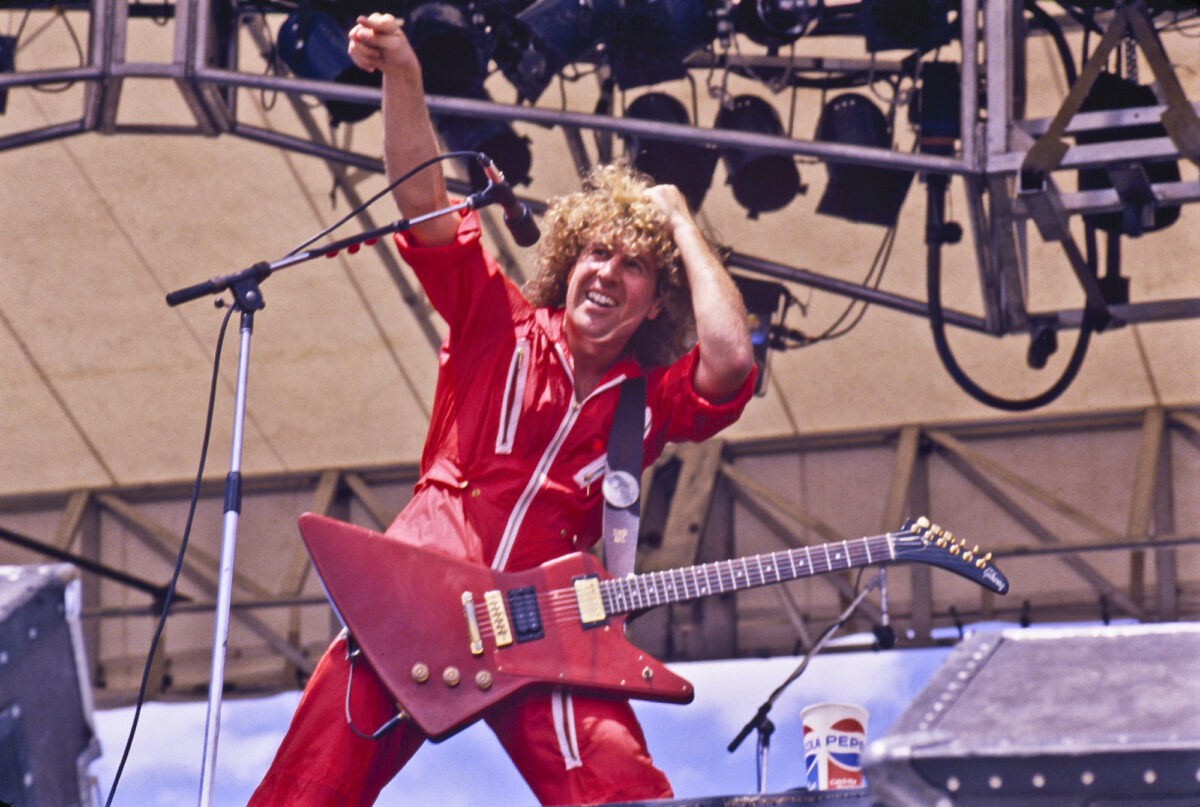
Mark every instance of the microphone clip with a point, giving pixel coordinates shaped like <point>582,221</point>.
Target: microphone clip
<point>517,217</point>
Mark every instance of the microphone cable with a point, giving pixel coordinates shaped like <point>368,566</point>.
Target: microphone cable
<point>472,155</point>
<point>187,530</point>
<point>937,322</point>
<point>208,422</point>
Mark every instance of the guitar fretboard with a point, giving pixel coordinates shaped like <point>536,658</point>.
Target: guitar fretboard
<point>622,595</point>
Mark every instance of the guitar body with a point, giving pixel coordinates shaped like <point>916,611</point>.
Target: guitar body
<point>404,607</point>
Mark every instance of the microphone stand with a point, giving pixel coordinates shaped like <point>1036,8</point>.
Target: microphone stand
<point>248,298</point>
<point>760,721</point>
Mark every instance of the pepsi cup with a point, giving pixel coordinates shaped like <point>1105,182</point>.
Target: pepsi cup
<point>835,736</point>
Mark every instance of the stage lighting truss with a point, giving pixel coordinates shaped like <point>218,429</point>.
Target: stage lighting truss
<point>1107,162</point>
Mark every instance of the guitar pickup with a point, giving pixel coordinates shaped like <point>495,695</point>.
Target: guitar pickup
<point>591,604</point>
<point>498,616</point>
<point>526,618</point>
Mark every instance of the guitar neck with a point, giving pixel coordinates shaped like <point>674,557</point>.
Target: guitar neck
<point>626,594</point>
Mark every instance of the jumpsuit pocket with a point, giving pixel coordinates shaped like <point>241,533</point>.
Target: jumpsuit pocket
<point>591,472</point>
<point>514,394</point>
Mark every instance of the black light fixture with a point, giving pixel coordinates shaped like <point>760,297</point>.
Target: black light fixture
<point>761,182</point>
<point>765,301</point>
<point>920,25</point>
<point>687,166</point>
<point>8,63</point>
<point>313,45</point>
<point>647,41</point>
<point>541,40</point>
<point>495,138</point>
<point>773,23</point>
<point>1140,214</point>
<point>453,54</point>
<point>860,193</point>
<point>642,41</point>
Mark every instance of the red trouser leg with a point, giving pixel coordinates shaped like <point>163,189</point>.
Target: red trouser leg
<point>570,749</point>
<point>573,749</point>
<point>321,761</point>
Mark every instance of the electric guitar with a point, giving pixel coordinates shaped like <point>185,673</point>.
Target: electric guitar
<point>450,638</point>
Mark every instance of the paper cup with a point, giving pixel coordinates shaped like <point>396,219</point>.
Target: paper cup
<point>835,735</point>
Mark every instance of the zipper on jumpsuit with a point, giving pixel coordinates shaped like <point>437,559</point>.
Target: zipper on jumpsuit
<point>538,478</point>
<point>561,706</point>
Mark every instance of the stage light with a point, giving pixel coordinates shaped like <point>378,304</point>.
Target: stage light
<point>647,40</point>
<point>761,182</point>
<point>773,23</point>
<point>920,25</point>
<point>313,45</point>
<point>860,193</point>
<point>643,41</point>
<point>764,302</point>
<point>453,54</point>
<point>8,63</point>
<point>688,167</point>
<point>546,37</point>
<point>495,138</point>
<point>1140,214</point>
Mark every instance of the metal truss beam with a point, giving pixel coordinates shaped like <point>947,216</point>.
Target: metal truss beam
<point>1069,557</point>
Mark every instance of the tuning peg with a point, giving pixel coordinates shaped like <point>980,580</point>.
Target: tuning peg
<point>923,523</point>
<point>954,549</point>
<point>968,557</point>
<point>979,564</point>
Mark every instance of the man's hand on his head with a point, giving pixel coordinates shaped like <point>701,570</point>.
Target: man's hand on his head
<point>670,200</point>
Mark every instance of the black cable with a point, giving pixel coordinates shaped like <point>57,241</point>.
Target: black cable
<point>937,322</point>
<point>879,264</point>
<point>170,589</point>
<point>187,530</point>
<point>450,154</point>
<point>1052,27</point>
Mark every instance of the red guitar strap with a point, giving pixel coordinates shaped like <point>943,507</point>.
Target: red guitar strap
<point>622,479</point>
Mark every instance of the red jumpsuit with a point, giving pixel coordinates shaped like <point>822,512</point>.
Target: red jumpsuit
<point>509,477</point>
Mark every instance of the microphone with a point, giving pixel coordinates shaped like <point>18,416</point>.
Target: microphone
<point>517,217</point>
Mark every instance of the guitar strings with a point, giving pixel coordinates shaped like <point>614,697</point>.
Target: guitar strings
<point>560,606</point>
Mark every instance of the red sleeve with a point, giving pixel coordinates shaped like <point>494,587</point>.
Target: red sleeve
<point>678,412</point>
<point>456,275</point>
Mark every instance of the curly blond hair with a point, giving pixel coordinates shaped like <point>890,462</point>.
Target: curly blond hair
<point>611,207</point>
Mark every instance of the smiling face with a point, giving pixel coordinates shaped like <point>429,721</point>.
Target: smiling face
<point>612,209</point>
<point>610,292</point>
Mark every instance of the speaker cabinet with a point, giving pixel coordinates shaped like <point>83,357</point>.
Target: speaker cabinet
<point>1081,717</point>
<point>47,739</point>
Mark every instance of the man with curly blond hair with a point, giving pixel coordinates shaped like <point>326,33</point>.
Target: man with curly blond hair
<point>527,386</point>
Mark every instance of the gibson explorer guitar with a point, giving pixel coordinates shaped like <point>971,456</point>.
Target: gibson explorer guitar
<point>450,638</point>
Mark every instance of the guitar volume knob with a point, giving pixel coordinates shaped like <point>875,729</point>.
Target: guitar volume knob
<point>451,676</point>
<point>483,680</point>
<point>420,672</point>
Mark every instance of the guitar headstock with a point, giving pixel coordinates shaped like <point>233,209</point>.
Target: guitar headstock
<point>919,540</point>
